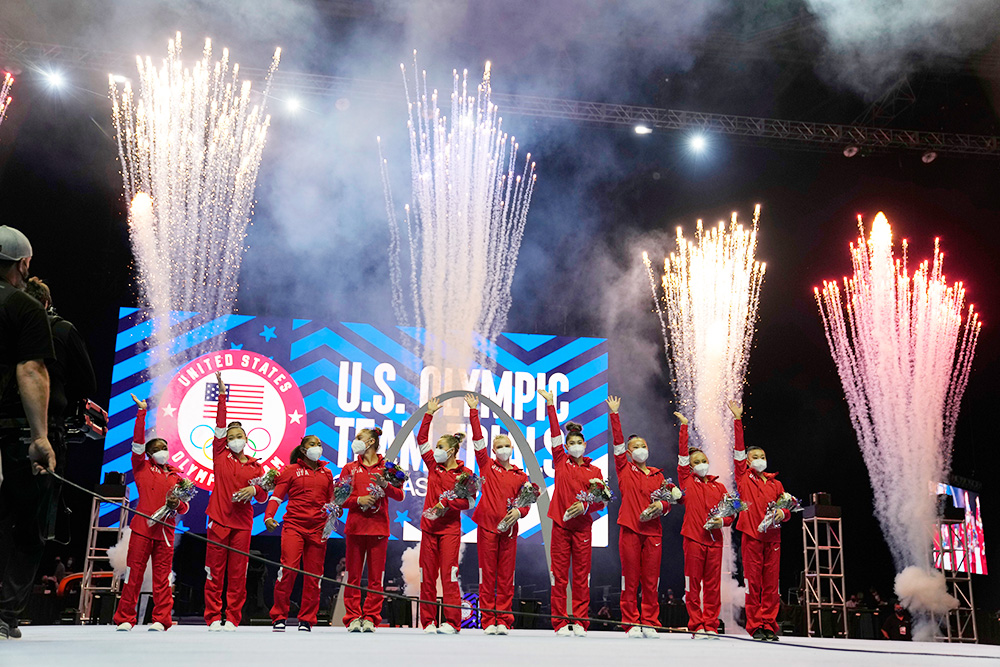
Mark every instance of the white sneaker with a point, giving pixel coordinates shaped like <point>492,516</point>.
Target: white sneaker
<point>430,630</point>
<point>711,634</point>
<point>650,633</point>
<point>446,629</point>
<point>579,631</point>
<point>503,629</point>
<point>157,627</point>
<point>699,634</point>
<point>490,630</point>
<point>229,627</point>
<point>565,631</point>
<point>635,632</point>
<point>367,626</point>
<point>124,627</point>
<point>216,626</point>
<point>354,626</point>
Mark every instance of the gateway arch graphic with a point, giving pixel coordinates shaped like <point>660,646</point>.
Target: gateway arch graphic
<point>527,453</point>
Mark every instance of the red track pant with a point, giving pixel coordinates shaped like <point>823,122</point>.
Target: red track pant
<point>310,549</point>
<point>761,564</point>
<point>497,554</point>
<point>140,548</point>
<point>703,578</point>
<point>362,548</point>
<point>221,562</point>
<point>567,545</point>
<point>641,555</point>
<point>439,557</point>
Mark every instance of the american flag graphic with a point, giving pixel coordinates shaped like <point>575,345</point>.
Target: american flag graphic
<point>243,401</point>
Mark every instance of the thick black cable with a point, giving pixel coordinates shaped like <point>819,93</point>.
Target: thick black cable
<point>526,614</point>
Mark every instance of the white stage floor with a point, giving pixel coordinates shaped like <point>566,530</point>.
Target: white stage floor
<point>186,646</point>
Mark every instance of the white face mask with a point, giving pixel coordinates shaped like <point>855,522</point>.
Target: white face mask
<point>160,457</point>
<point>358,447</point>
<point>701,469</point>
<point>237,445</point>
<point>503,453</point>
<point>760,465</point>
<point>576,451</point>
<point>640,455</point>
<point>313,453</point>
<point>441,455</point>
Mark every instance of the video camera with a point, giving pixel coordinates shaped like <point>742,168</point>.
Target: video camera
<point>89,421</point>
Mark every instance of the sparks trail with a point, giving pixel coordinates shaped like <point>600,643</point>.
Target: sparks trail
<point>466,222</point>
<point>903,349</point>
<point>707,311</point>
<point>190,145</point>
<point>5,98</point>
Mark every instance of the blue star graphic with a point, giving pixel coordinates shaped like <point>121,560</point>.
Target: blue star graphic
<point>268,333</point>
<point>234,346</point>
<point>402,517</point>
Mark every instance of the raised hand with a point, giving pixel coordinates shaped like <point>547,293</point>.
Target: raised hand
<point>614,402</point>
<point>471,401</point>
<point>548,396</point>
<point>140,404</point>
<point>736,409</point>
<point>218,380</point>
<point>681,418</point>
<point>433,405</point>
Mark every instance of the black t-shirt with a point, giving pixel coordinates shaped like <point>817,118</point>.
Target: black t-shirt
<point>71,375</point>
<point>897,628</point>
<point>24,335</point>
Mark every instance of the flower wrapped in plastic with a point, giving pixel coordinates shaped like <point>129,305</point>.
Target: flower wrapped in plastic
<point>267,481</point>
<point>466,487</point>
<point>774,514</point>
<point>667,492</point>
<point>335,508</point>
<point>730,505</point>
<point>183,491</point>
<point>526,496</point>
<point>597,491</point>
<point>394,474</point>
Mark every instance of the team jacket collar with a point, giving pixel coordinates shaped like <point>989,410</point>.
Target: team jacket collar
<point>360,461</point>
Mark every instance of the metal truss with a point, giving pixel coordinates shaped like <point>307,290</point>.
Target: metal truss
<point>822,547</point>
<point>766,131</point>
<point>953,551</point>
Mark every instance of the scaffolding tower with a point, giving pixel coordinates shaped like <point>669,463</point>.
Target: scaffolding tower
<point>951,556</point>
<point>822,545</point>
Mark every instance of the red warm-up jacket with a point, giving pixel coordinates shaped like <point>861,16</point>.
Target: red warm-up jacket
<point>153,482</point>
<point>373,521</point>
<point>307,490</point>
<point>500,484</point>
<point>700,495</point>
<point>231,475</point>
<point>571,479</point>
<point>757,489</point>
<point>439,480</point>
<point>635,486</point>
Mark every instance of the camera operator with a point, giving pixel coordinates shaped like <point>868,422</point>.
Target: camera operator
<point>25,346</point>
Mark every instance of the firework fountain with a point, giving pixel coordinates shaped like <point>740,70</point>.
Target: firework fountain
<point>470,205</point>
<point>707,311</point>
<point>5,98</point>
<point>190,145</point>
<point>903,345</point>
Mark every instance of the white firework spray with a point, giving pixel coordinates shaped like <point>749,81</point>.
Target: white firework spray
<point>5,98</point>
<point>903,345</point>
<point>470,206</point>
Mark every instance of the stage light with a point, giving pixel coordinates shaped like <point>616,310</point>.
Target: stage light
<point>642,129</point>
<point>850,151</point>
<point>698,143</point>
<point>928,157</point>
<point>292,105</point>
<point>54,79</point>
<point>119,78</point>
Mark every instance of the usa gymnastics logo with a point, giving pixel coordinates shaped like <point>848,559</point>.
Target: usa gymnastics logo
<point>261,395</point>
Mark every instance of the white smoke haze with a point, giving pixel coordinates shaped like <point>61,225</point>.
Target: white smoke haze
<point>923,590</point>
<point>871,44</point>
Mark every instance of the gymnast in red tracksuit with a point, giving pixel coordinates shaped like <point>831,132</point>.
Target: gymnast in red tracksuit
<point>230,519</point>
<point>639,542</point>
<point>702,548</point>
<point>367,530</point>
<point>570,536</point>
<point>154,479</point>
<point>761,552</point>
<point>441,536</point>
<point>502,480</point>
<point>308,486</point>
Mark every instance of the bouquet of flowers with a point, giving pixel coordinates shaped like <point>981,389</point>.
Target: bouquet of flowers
<point>774,515</point>
<point>597,491</point>
<point>730,505</point>
<point>267,481</point>
<point>668,492</point>
<point>466,486</point>
<point>182,492</point>
<point>526,497</point>
<point>391,475</point>
<point>334,508</point>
